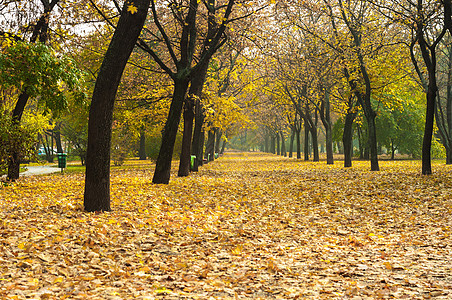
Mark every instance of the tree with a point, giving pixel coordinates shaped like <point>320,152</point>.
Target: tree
<point>39,33</point>
<point>428,23</point>
<point>443,111</point>
<point>36,72</point>
<point>401,129</point>
<point>187,63</point>
<point>97,179</point>
<point>19,138</point>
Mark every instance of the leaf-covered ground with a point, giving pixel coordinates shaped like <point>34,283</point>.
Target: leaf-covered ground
<point>246,226</point>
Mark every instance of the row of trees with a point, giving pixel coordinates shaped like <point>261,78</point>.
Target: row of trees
<point>224,67</point>
<point>354,61</point>
<point>175,44</point>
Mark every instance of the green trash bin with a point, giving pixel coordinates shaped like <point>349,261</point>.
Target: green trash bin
<point>192,161</point>
<point>61,160</point>
<point>216,155</point>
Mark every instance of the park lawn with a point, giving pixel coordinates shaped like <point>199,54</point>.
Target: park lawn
<point>248,225</point>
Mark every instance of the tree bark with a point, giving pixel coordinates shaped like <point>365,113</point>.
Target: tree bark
<point>57,134</point>
<point>162,171</point>
<point>360,142</point>
<point>306,141</point>
<point>142,151</point>
<point>266,147</point>
<point>14,160</point>
<point>315,143</point>
<point>217,140</point>
<point>198,136</point>
<point>429,123</point>
<point>429,56</point>
<point>292,139</point>
<point>392,150</point>
<point>347,139</point>
<point>97,179</point>
<point>193,108</point>
<point>283,145</point>
<point>297,137</point>
<point>273,144</point>
<point>325,116</point>
<point>189,116</point>
<point>363,98</point>
<point>210,146</point>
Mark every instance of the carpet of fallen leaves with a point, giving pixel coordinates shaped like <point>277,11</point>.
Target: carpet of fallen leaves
<point>246,226</point>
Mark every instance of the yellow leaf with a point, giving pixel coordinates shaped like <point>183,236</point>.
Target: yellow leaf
<point>132,9</point>
<point>58,279</point>
<point>238,250</point>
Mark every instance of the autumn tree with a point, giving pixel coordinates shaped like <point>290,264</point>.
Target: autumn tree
<point>443,111</point>
<point>97,179</point>
<point>428,22</point>
<point>354,17</point>
<point>36,30</point>
<point>37,73</point>
<point>187,58</point>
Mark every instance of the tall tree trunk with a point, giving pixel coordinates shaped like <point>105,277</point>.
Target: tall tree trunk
<point>273,144</point>
<point>448,25</point>
<point>429,123</point>
<point>325,116</point>
<point>210,146</point>
<point>218,140</point>
<point>373,147</point>
<point>14,160</point>
<point>329,146</point>
<point>283,145</point>
<point>266,147</point>
<point>392,150</point>
<point>363,98</point>
<point>315,143</point>
<point>193,107</point>
<point>198,136</point>
<point>142,151</point>
<point>347,139</point>
<point>306,141</point>
<point>189,115</point>
<point>429,55</point>
<point>162,171</point>
<point>360,142</point>
<point>190,139</point>
<point>443,130</point>
<point>292,138</point>
<point>97,179</point>
<point>57,135</point>
<point>298,140</point>
<point>278,149</point>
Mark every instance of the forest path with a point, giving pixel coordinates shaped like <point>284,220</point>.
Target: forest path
<point>248,225</point>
